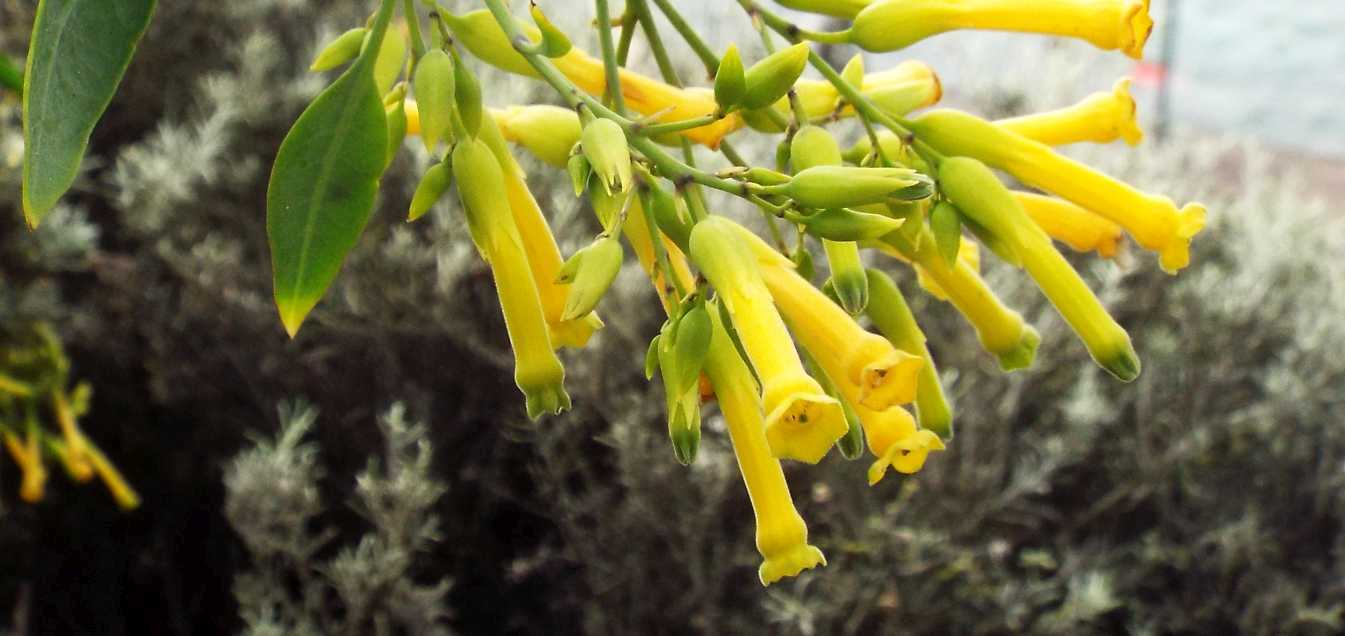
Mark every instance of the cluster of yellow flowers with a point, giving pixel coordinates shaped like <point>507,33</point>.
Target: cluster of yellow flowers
<point>34,387</point>
<point>793,370</point>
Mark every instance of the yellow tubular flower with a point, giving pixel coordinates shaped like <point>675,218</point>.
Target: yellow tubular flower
<point>544,258</point>
<point>77,460</point>
<point>537,370</point>
<point>802,421</point>
<point>1154,221</point>
<point>1102,117</point>
<point>479,32</point>
<point>1001,330</point>
<point>882,374</point>
<point>782,536</point>
<point>1072,225</point>
<point>1122,25</point>
<point>893,438</point>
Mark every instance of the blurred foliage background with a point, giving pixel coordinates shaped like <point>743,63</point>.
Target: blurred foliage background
<point>1205,498</point>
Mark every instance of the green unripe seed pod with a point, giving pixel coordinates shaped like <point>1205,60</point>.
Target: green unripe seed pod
<point>339,51</point>
<point>431,187</point>
<point>434,85</point>
<point>771,78</point>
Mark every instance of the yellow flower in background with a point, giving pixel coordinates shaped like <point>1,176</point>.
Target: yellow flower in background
<point>802,421</point>
<point>1154,221</point>
<point>636,230</point>
<point>543,256</point>
<point>28,455</point>
<point>883,374</point>
<point>782,536</point>
<point>1119,25</point>
<point>1102,117</point>
<point>1072,225</point>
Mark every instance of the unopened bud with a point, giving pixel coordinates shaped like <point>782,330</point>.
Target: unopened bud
<point>853,73</point>
<point>771,78</point>
<point>847,275</point>
<point>846,224</point>
<point>813,146</point>
<point>339,51</point>
<point>730,80</point>
<point>594,269</point>
<point>692,343</point>
<point>946,225</point>
<point>579,170</point>
<point>844,186</point>
<point>391,58</point>
<point>604,144</point>
<point>549,132</point>
<point>433,82</point>
<point>554,41</point>
<point>432,186</point>
<point>467,95</point>
<point>394,107</point>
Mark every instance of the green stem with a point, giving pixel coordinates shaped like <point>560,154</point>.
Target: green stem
<point>654,130</point>
<point>665,65</point>
<point>693,39</point>
<point>731,153</point>
<point>609,61</point>
<point>791,31</point>
<point>413,27</point>
<point>627,36</point>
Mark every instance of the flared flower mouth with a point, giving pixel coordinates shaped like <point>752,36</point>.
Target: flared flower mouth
<point>890,380</point>
<point>1127,126</point>
<point>906,456</point>
<point>1136,25</point>
<point>803,423</point>
<point>790,562</point>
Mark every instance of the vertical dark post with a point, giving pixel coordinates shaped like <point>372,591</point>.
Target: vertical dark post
<point>1172,22</point>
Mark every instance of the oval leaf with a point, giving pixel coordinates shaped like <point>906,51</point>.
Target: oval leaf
<point>79,52</point>
<point>323,186</point>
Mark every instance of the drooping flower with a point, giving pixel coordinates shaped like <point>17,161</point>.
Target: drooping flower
<point>802,421</point>
<point>1154,221</point>
<point>782,536</point>
<point>1072,225</point>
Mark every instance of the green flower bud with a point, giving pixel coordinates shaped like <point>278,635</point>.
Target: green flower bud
<point>590,272</point>
<point>554,41</point>
<point>892,317</point>
<point>846,224</point>
<point>549,132</point>
<point>686,439</point>
<point>683,402</point>
<point>432,186</point>
<point>853,73</point>
<point>771,78</point>
<point>847,275</point>
<point>339,51</point>
<point>730,81</point>
<point>434,86</point>
<point>692,343</point>
<point>844,186</point>
<point>765,176</point>
<point>607,206</point>
<point>604,143</point>
<point>813,146</point>
<point>669,215</point>
<point>946,225</point>
<point>579,170</point>
<point>923,188</point>
<point>467,95</point>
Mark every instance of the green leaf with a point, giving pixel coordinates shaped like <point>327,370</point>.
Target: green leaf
<point>323,184</point>
<point>80,49</point>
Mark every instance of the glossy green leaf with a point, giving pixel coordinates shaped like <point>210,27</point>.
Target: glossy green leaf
<point>79,51</point>
<point>324,182</point>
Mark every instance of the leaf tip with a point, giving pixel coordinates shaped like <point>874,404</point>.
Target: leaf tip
<point>292,317</point>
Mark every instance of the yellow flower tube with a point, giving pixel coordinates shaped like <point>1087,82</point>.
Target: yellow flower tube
<point>544,258</point>
<point>1154,221</point>
<point>479,32</point>
<point>636,229</point>
<point>1102,117</point>
<point>1072,225</point>
<point>28,456</point>
<point>1120,25</point>
<point>537,370</point>
<point>896,442</point>
<point>782,536</point>
<point>1000,330</point>
<point>882,374</point>
<point>802,421</point>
